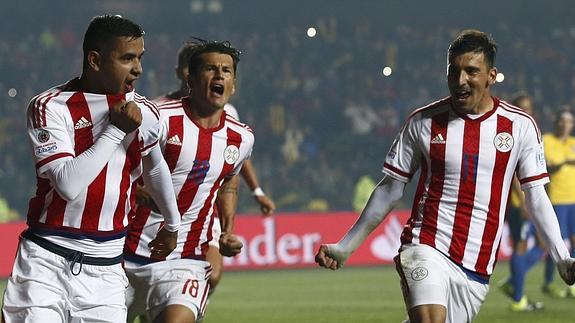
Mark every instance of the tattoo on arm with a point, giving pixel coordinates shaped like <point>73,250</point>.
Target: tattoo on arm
<point>229,190</point>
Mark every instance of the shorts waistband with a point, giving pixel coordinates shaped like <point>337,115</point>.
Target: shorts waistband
<point>71,255</point>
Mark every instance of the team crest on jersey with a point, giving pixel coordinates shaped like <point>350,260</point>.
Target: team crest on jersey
<point>503,142</point>
<point>231,154</point>
<point>392,154</point>
<point>419,273</point>
<point>43,136</point>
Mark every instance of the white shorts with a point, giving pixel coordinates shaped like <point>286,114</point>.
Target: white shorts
<point>216,233</point>
<point>42,288</point>
<point>155,286</point>
<point>429,277</point>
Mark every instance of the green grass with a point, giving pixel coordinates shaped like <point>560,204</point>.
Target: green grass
<point>351,295</point>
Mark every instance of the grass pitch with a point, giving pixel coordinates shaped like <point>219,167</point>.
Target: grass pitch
<point>352,295</point>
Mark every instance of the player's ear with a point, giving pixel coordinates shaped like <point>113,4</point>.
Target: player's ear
<point>492,75</point>
<point>234,88</point>
<point>94,60</point>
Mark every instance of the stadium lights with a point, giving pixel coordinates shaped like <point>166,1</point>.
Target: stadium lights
<point>311,32</point>
<point>387,71</point>
<point>500,77</point>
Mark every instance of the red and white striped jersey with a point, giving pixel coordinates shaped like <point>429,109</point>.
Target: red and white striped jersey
<point>467,165</point>
<point>199,160</point>
<point>62,124</point>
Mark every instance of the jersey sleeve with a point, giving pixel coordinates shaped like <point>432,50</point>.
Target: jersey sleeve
<point>245,151</point>
<point>50,140</point>
<point>531,165</point>
<point>232,111</point>
<point>402,160</point>
<point>149,130</point>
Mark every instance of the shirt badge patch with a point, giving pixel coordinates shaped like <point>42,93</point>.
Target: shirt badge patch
<point>43,136</point>
<point>419,273</point>
<point>503,142</point>
<point>231,154</point>
<point>540,156</point>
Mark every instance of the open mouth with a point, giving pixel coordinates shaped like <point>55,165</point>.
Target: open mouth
<point>217,89</point>
<point>130,85</point>
<point>462,95</point>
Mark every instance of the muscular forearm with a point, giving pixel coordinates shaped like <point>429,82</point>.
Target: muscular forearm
<point>382,200</point>
<point>158,182</point>
<point>538,204</point>
<point>226,202</point>
<point>74,175</point>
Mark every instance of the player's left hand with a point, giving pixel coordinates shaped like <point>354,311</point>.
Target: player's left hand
<point>566,268</point>
<point>164,243</point>
<point>267,206</point>
<point>230,245</point>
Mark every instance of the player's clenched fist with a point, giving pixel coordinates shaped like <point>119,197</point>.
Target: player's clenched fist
<point>230,245</point>
<point>566,268</point>
<point>330,256</point>
<point>126,116</point>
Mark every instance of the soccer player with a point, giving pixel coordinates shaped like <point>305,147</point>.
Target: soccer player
<point>560,156</point>
<point>204,149</point>
<point>91,139</point>
<point>521,229</point>
<point>468,147</point>
<point>248,172</point>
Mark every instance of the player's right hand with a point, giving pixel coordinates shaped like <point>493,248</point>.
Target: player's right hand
<point>230,245</point>
<point>126,116</point>
<point>331,256</point>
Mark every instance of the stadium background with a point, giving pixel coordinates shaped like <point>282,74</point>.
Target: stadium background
<point>323,112</point>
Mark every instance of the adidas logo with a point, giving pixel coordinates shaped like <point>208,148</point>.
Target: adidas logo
<point>438,140</point>
<point>175,140</point>
<point>82,123</point>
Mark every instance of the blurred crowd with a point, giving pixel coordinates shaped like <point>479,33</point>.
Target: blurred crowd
<point>323,113</point>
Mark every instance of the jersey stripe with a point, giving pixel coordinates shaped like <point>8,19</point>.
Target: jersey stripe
<point>42,108</point>
<point>35,105</point>
<point>83,139</point>
<point>197,173</point>
<point>533,178</point>
<point>407,234</point>
<point>136,229</point>
<point>493,220</point>
<point>36,205</point>
<point>466,194</point>
<point>52,158</point>
<point>437,156</point>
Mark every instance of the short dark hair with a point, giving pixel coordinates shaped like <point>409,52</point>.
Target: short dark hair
<point>184,55</point>
<point>103,29</point>
<point>476,41</point>
<point>197,47</point>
